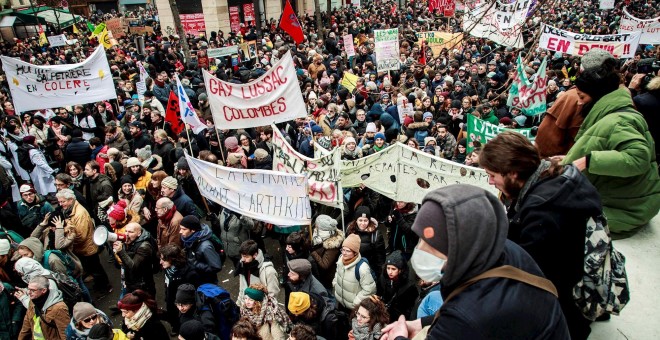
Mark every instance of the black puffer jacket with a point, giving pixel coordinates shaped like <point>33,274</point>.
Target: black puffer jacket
<point>78,151</point>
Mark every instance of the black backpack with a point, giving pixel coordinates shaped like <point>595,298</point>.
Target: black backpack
<point>24,161</point>
<point>71,292</point>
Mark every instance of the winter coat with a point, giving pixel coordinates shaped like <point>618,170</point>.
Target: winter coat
<point>54,318</point>
<point>235,230</point>
<point>163,150</point>
<point>267,276</point>
<point>143,181</point>
<point>100,189</point>
<point>556,134</point>
<point>372,246</point>
<point>139,142</point>
<point>120,143</point>
<point>152,329</point>
<point>183,203</point>
<point>63,242</point>
<point>311,285</point>
<point>622,164</point>
<point>32,215</point>
<point>78,151</point>
<point>11,314</point>
<point>168,231</point>
<point>174,278</point>
<point>349,292</point>
<point>42,174</point>
<point>401,237</point>
<point>399,296</point>
<point>202,255</point>
<point>324,258</point>
<point>648,105</point>
<point>83,244</point>
<point>552,212</point>
<point>136,260</point>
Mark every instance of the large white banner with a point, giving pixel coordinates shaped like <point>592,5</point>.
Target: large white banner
<point>650,28</point>
<point>273,98</point>
<point>499,22</point>
<point>387,49</point>
<point>41,87</point>
<point>323,173</point>
<point>619,45</point>
<point>269,196</point>
<point>406,174</point>
<point>606,4</point>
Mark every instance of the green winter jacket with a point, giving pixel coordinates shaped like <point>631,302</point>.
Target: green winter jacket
<point>491,117</point>
<point>622,163</point>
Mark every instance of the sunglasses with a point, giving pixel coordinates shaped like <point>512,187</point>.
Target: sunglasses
<point>91,318</point>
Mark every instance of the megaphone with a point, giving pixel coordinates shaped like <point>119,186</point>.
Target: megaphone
<point>102,235</point>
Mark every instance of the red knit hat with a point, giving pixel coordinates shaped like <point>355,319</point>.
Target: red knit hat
<point>118,211</point>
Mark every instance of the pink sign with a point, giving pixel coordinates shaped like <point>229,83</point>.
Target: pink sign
<point>248,12</point>
<point>234,19</point>
<point>193,23</point>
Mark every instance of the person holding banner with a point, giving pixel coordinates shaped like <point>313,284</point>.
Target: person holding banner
<point>615,150</point>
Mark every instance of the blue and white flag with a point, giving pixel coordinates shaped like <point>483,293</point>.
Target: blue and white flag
<point>188,114</point>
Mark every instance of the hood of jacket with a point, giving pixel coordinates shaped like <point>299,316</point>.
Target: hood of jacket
<point>335,241</point>
<point>54,296</point>
<point>483,226</point>
<point>29,268</point>
<point>613,102</point>
<point>35,246</point>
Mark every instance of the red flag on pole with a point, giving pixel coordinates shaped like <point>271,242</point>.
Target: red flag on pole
<point>422,58</point>
<point>290,24</point>
<point>173,115</point>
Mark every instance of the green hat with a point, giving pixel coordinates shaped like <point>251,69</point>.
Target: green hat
<point>255,294</point>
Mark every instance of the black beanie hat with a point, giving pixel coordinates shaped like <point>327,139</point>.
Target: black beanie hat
<point>126,180</point>
<point>599,81</point>
<point>396,259</point>
<point>431,226</point>
<point>362,211</point>
<point>182,164</point>
<point>192,330</point>
<point>185,294</point>
<point>100,331</point>
<point>191,222</point>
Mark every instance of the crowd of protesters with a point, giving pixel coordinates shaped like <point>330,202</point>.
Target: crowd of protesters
<point>117,163</point>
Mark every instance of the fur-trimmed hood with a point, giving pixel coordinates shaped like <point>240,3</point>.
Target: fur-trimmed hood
<point>335,241</point>
<point>418,125</point>
<point>654,84</point>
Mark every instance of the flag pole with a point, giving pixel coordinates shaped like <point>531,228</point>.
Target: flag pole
<point>185,126</point>
<point>222,152</point>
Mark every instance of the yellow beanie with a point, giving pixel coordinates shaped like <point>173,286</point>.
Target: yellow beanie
<point>298,302</point>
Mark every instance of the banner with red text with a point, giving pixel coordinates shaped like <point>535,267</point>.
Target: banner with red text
<point>650,28</point>
<point>445,7</point>
<point>193,23</point>
<point>273,98</point>
<point>248,12</point>
<point>234,19</point>
<point>619,45</point>
<point>323,173</point>
<point>529,95</point>
<point>36,87</point>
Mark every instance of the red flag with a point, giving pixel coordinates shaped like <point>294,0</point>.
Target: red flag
<point>393,10</point>
<point>422,59</point>
<point>173,115</point>
<point>290,24</point>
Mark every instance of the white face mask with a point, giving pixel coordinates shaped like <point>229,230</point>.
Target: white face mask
<point>427,266</point>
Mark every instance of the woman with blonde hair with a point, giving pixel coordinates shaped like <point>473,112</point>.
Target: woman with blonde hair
<point>263,311</point>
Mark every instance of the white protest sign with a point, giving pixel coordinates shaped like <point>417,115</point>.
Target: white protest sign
<point>619,45</point>
<point>387,49</point>
<point>349,47</point>
<point>406,174</point>
<point>268,196</point>
<point>222,51</point>
<point>606,4</point>
<point>273,98</point>
<point>141,87</point>
<point>57,40</point>
<point>323,174</point>
<point>650,28</point>
<point>499,22</point>
<point>143,72</point>
<point>40,87</point>
<point>188,114</point>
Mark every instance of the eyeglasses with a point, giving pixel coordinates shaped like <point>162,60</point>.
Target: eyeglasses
<point>91,318</point>
<point>346,251</point>
<point>360,316</point>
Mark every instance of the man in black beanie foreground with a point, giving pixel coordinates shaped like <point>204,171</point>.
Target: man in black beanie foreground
<point>463,234</point>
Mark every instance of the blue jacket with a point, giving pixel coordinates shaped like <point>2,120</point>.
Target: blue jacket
<point>184,204</point>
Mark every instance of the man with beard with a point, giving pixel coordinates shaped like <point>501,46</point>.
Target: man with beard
<point>139,137</point>
<point>344,124</point>
<point>83,243</point>
<point>136,258</point>
<point>100,186</point>
<point>161,89</point>
<point>300,279</point>
<point>549,206</point>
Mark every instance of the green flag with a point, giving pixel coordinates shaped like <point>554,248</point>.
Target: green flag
<point>90,27</point>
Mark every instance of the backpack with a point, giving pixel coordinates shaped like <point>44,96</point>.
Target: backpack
<point>64,257</point>
<point>24,161</point>
<point>357,269</point>
<point>225,312</point>
<point>219,248</point>
<point>604,284</point>
<point>71,292</point>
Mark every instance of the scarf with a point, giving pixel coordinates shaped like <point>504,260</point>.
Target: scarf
<point>76,181</point>
<point>545,165</point>
<point>377,148</point>
<point>351,154</point>
<point>270,313</point>
<point>363,332</point>
<point>139,319</point>
<point>246,269</point>
<point>168,216</point>
<point>347,262</point>
<point>188,242</point>
<point>58,133</point>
